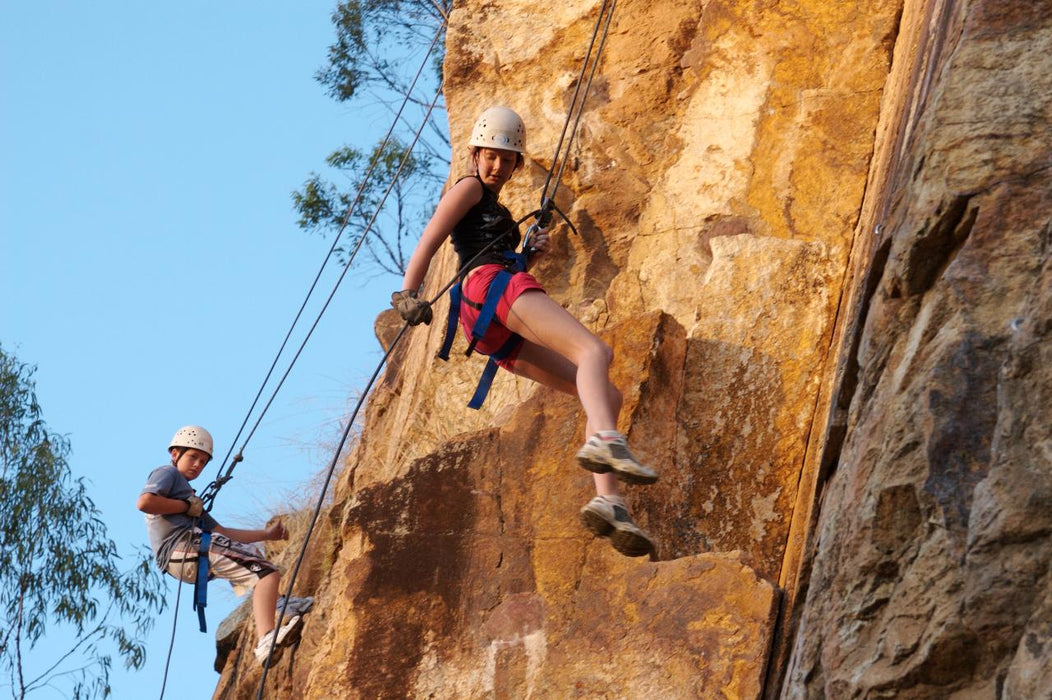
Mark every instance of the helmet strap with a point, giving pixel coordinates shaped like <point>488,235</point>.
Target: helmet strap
<point>182,451</point>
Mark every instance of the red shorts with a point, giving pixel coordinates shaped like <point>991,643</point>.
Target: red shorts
<point>474,290</point>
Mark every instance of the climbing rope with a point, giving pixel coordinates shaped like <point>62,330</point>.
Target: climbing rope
<point>210,491</point>
<point>346,433</point>
<point>605,16</point>
<point>213,488</point>
<point>175,617</point>
<point>576,109</point>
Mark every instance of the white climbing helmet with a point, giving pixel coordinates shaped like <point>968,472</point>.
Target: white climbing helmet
<point>499,127</point>
<point>193,436</point>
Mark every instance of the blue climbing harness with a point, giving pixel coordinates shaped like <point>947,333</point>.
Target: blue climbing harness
<point>487,310</point>
<point>201,582</point>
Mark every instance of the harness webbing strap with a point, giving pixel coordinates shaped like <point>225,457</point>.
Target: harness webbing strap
<point>451,323</point>
<point>487,310</point>
<point>201,582</point>
<point>510,345</point>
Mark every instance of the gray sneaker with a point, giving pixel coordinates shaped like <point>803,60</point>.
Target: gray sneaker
<point>607,516</point>
<point>602,455</point>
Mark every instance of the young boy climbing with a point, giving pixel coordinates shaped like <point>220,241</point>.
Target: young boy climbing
<point>175,519</point>
<point>530,334</point>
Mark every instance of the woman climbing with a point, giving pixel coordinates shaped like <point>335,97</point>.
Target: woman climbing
<point>532,336</point>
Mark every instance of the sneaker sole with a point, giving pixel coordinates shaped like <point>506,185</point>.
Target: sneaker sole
<point>630,544</point>
<point>628,477</point>
<point>290,631</point>
<point>626,542</point>
<point>596,523</point>
<point>275,657</point>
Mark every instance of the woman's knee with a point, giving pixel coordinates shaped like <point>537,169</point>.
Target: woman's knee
<point>598,351</point>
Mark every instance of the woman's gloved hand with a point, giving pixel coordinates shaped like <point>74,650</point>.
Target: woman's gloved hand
<point>411,307</point>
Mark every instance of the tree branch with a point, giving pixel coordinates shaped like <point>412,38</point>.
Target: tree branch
<point>18,648</point>
<point>440,10</point>
<point>80,642</point>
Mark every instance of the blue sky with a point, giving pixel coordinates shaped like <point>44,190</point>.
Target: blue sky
<point>151,263</point>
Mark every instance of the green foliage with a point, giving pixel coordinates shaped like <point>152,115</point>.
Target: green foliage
<point>347,67</point>
<point>369,62</point>
<point>323,207</point>
<point>59,571</point>
<point>365,30</point>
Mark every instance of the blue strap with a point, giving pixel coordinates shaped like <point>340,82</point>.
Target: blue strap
<point>509,346</point>
<point>451,322</point>
<point>518,260</point>
<point>489,308</point>
<point>201,583</point>
<point>517,263</point>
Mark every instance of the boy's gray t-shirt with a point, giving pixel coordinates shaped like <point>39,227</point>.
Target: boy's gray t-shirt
<point>166,530</point>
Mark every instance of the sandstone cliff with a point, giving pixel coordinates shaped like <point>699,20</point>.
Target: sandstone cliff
<point>816,235</point>
<point>930,573</point>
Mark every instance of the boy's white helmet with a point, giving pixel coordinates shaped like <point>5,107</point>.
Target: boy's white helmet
<point>193,436</point>
<point>499,127</point>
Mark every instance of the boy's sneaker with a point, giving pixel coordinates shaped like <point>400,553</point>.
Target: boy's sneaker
<point>602,454</point>
<point>607,516</point>
<point>285,636</point>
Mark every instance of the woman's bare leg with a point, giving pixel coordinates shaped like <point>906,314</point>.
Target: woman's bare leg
<point>605,515</point>
<point>539,320</point>
<point>551,369</point>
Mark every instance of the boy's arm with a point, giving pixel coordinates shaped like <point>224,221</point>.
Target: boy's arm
<point>276,531</point>
<point>153,504</point>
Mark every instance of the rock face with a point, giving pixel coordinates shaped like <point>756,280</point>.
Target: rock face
<point>931,569</point>
<point>775,354</point>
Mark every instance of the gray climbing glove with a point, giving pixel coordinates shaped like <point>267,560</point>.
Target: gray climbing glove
<point>196,506</point>
<point>411,307</point>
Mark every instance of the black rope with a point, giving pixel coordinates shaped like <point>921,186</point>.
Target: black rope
<point>175,614</point>
<point>561,156</point>
<point>210,491</point>
<point>221,478</point>
<point>321,500</point>
<point>213,488</point>
<point>609,14</point>
<point>547,204</point>
<point>346,433</point>
<point>171,642</point>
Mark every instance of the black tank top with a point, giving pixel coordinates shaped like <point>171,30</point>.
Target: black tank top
<point>485,222</point>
